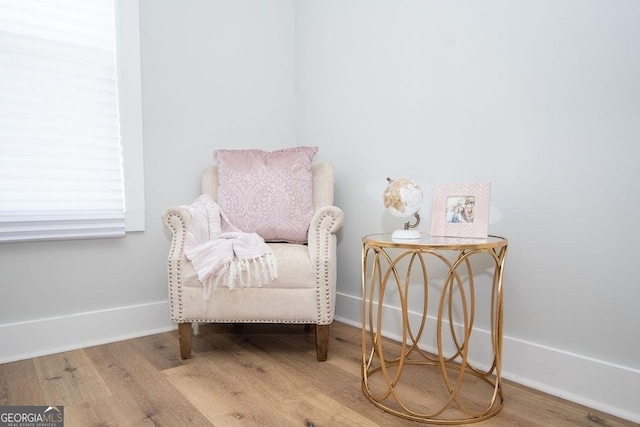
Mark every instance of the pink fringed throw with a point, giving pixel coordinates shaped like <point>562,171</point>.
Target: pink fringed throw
<point>222,254</point>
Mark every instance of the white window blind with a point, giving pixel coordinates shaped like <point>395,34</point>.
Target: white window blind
<point>61,171</point>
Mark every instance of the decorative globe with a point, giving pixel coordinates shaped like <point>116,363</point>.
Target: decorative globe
<point>403,198</point>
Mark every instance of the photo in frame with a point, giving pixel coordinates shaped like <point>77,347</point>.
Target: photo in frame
<point>461,210</point>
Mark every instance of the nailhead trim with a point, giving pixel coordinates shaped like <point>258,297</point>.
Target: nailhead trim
<point>322,281</point>
<point>175,261</point>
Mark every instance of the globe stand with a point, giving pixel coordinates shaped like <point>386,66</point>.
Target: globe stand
<point>409,232</point>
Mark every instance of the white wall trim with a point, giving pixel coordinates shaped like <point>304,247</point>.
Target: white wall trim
<point>130,106</point>
<point>41,337</point>
<point>598,384</point>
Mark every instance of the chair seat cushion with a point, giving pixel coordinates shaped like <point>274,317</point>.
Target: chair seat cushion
<point>294,268</point>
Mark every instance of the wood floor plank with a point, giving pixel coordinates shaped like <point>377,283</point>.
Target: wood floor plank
<point>285,398</point>
<point>19,384</point>
<point>348,406</point>
<point>111,411</point>
<point>256,375</point>
<point>159,350</point>
<point>68,378</point>
<point>129,373</point>
<point>225,387</point>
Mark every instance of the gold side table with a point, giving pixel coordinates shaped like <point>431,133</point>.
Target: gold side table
<point>446,385</point>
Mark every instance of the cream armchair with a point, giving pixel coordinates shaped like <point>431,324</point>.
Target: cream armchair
<point>303,293</point>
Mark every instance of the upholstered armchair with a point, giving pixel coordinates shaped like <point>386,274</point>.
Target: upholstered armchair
<point>303,293</point>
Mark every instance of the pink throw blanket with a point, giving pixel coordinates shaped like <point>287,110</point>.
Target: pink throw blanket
<point>222,254</point>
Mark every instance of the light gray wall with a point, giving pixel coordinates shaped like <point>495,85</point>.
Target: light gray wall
<point>216,74</point>
<point>541,98</point>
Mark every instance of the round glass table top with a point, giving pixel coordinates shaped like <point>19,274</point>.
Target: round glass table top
<point>428,241</point>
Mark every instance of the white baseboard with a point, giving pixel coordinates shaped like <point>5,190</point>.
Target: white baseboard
<point>41,337</point>
<point>598,384</point>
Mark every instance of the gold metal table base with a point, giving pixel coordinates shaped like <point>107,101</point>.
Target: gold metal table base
<point>443,387</point>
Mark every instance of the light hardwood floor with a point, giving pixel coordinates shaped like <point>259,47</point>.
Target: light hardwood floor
<point>254,375</point>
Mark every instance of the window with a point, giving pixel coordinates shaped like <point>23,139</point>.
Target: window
<point>70,122</point>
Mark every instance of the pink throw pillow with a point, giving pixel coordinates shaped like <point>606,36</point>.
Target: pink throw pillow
<point>269,193</point>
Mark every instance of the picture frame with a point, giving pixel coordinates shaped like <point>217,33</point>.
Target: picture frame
<point>461,210</point>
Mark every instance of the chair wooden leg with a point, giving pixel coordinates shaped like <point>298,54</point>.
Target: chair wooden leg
<point>185,333</point>
<point>322,342</point>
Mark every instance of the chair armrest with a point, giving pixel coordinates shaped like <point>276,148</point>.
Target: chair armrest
<point>177,220</point>
<point>327,219</point>
<point>323,254</point>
